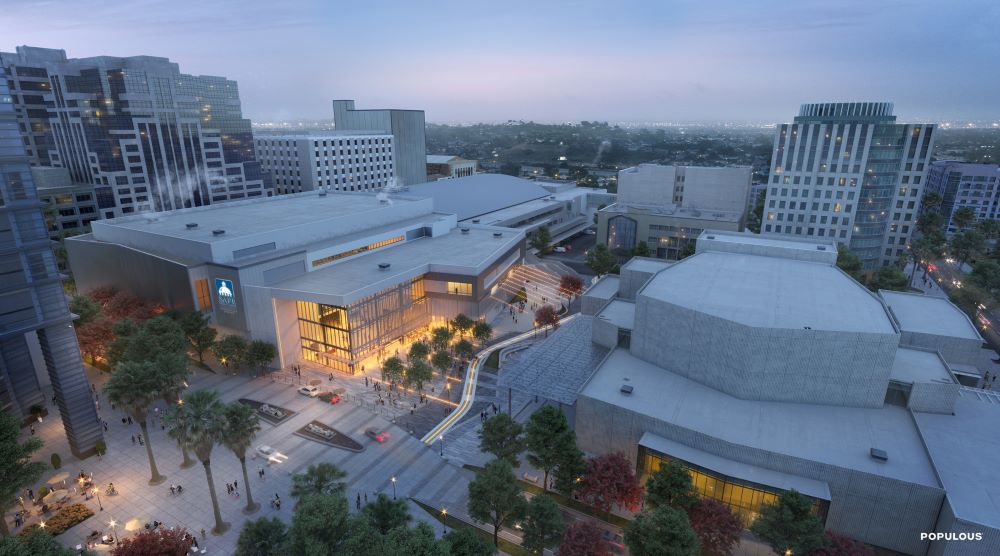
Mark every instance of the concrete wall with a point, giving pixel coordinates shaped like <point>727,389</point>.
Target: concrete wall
<point>716,188</point>
<point>877,510</point>
<point>647,184</point>
<point>808,366</point>
<point>788,248</point>
<point>948,523</point>
<point>598,295</point>
<point>933,397</point>
<point>632,279</point>
<point>604,333</point>
<point>964,351</point>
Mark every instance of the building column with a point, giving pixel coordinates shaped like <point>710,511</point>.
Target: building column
<point>71,388</point>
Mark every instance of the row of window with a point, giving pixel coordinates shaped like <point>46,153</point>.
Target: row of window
<point>357,250</point>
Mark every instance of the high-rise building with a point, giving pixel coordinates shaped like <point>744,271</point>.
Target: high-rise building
<point>406,127</point>
<point>848,172</point>
<point>145,135</point>
<point>961,184</point>
<point>347,161</point>
<point>36,327</point>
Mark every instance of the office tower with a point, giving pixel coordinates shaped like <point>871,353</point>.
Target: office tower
<point>406,127</point>
<point>346,161</point>
<point>146,136</point>
<point>849,172</point>
<point>36,327</point>
<point>961,184</point>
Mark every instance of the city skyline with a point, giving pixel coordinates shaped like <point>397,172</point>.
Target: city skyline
<point>564,61</point>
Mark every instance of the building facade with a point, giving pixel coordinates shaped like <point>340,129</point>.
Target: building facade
<point>407,128</point>
<point>849,172</point>
<point>146,136</point>
<point>70,207</point>
<point>445,166</point>
<point>961,184</point>
<point>345,161</point>
<point>38,345</point>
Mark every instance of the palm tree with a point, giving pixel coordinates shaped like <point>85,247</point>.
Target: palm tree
<point>242,424</point>
<point>135,386</point>
<point>174,382</point>
<point>931,202</point>
<point>962,217</point>
<point>199,424</point>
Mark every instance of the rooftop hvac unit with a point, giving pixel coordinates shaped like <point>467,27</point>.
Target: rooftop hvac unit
<point>191,225</point>
<point>218,232</point>
<point>626,389</point>
<point>879,455</point>
<point>384,266</point>
<point>465,230</point>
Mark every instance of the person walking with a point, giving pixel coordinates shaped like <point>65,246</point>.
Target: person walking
<point>357,502</point>
<point>133,440</point>
<point>32,430</point>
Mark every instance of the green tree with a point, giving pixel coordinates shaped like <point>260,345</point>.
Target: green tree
<point>465,542</point>
<point>17,471</point>
<point>986,274</point>
<point>988,228</point>
<point>601,260</point>
<point>543,524</point>
<point>321,478</point>
<point>319,525</point>
<point>33,542</point>
<point>789,523</point>
<point>540,239</point>
<point>849,262</point>
<point>482,332</point>
<point>199,423</point>
<point>142,342</point>
<point>441,337</point>
<point>757,214</point>
<point>386,514</point>
<point>414,541</point>
<point>503,437</point>
<point>85,308</point>
<point>548,440</point>
<point>418,372</point>
<point>199,334</point>
<point>173,380</point>
<point>495,497</point>
<point>664,531</point>
<point>641,249</point>
<point>462,323</point>
<point>241,427</point>
<point>419,350</point>
<point>134,386</point>
<point>259,355</point>
<point>262,537</point>
<point>687,250</point>
<point>925,250</point>
<point>930,222</point>
<point>671,485</point>
<point>967,245</point>
<point>464,349</point>
<point>890,278</point>
<point>441,361</point>
<point>567,474</point>
<point>931,202</point>
<point>962,218</point>
<point>393,370</point>
<point>230,350</point>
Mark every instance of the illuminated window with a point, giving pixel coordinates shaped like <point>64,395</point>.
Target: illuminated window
<point>459,288</point>
<point>770,216</point>
<point>362,249</point>
<point>204,294</point>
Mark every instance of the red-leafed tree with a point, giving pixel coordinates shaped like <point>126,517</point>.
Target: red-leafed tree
<point>127,305</point>
<point>583,538</point>
<point>839,545</point>
<point>546,315</point>
<point>102,295</point>
<point>717,528</point>
<point>159,542</point>
<point>94,337</point>
<point>570,286</point>
<point>609,480</point>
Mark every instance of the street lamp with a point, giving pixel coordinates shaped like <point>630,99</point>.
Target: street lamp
<point>98,495</point>
<point>114,532</point>
<point>788,552</point>
<point>42,525</point>
<point>444,513</point>
<point>393,488</point>
<point>441,443</point>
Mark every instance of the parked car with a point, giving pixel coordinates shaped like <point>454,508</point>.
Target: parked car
<point>615,541</point>
<point>311,391</point>
<point>377,435</point>
<point>559,249</point>
<point>329,397</point>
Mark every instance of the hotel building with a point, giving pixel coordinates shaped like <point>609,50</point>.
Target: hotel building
<point>347,161</point>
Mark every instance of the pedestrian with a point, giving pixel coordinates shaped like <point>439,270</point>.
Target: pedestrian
<point>357,502</point>
<point>236,485</point>
<point>366,381</point>
<point>203,533</point>
<point>130,419</point>
<point>366,498</point>
<point>105,426</point>
<point>31,494</point>
<point>123,421</point>
<point>140,440</point>
<point>229,488</point>
<point>32,430</point>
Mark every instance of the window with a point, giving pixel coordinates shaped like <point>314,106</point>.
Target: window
<point>362,249</point>
<point>460,288</point>
<point>204,294</point>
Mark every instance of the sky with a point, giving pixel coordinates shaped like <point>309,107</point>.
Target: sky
<point>552,60</point>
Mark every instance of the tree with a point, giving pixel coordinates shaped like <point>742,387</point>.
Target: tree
<point>241,426</point>
<point>570,286</point>
<point>988,228</point>
<point>890,278</point>
<point>230,350</point>
<point>465,542</point>
<point>495,497</point>
<point>502,437</point>
<point>601,260</point>
<point>386,514</point>
<point>441,360</point>
<point>568,473</point>
<point>199,423</point>
<point>462,323</point>
<point>925,250</point>
<point>319,525</point>
<point>441,337</point>
<point>671,485</point>
<point>84,308</point>
<point>540,239</point>
<point>931,202</point>
<point>94,337</point>
<point>199,334</point>
<point>416,541</point>
<point>173,381</point>
<point>417,373</point>
<point>661,532</point>
<point>259,355</point>
<point>849,262</point>
<point>543,524</point>
<point>145,341</point>
<point>546,316</point>
<point>716,526</point>
<point>583,538</point>
<point>419,350</point>
<point>609,481</point>
<point>17,471</point>
<point>262,537</point>
<point>789,523</point>
<point>687,250</point>
<point>160,542</point>
<point>967,245</point>
<point>986,275</point>
<point>641,249</point>
<point>757,214</point>
<point>33,542</point>
<point>839,545</point>
<point>321,478</point>
<point>482,332</point>
<point>464,349</point>
<point>930,222</point>
<point>393,370</point>
<point>963,217</point>
<point>134,386</point>
<point>548,440</point>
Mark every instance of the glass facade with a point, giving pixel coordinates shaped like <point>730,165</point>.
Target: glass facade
<point>621,233</point>
<point>744,498</point>
<point>362,249</point>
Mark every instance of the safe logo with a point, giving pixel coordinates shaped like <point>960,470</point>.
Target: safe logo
<point>224,289</point>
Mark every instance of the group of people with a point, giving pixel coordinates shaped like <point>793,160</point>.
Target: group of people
<point>276,501</point>
<point>485,414</point>
<point>233,489</point>
<point>989,382</point>
<point>176,489</point>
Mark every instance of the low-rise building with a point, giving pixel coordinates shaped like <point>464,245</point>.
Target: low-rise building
<point>446,166</point>
<point>962,184</point>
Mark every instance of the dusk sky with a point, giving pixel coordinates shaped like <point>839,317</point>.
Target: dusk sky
<point>552,61</point>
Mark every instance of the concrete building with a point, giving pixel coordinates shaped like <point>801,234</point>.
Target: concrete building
<point>762,367</point>
<point>445,166</point>
<point>145,135</point>
<point>406,127</point>
<point>70,207</point>
<point>330,277</point>
<point>38,345</point>
<point>961,184</point>
<point>668,206</point>
<point>347,161</point>
<point>848,172</point>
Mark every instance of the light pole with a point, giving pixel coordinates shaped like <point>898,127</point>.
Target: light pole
<point>98,495</point>
<point>393,488</point>
<point>114,532</point>
<point>444,513</point>
<point>441,443</point>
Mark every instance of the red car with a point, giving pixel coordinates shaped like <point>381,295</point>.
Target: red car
<point>377,435</point>
<point>329,397</point>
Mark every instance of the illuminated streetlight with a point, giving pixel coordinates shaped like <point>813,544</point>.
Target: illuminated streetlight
<point>98,495</point>
<point>393,488</point>
<point>441,440</point>
<point>444,513</point>
<point>42,525</point>
<point>114,532</point>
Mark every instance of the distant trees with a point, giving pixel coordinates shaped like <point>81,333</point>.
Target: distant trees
<point>540,239</point>
<point>393,370</point>
<point>462,323</point>
<point>323,479</point>
<point>419,350</point>
<point>583,538</point>
<point>262,537</point>
<point>641,249</point>
<point>670,485</point>
<point>441,360</point>
<point>756,215</point>
<point>687,250</point>
<point>199,334</point>
<point>418,372</point>
<point>17,471</point>
<point>849,262</point>
<point>543,524</point>
<point>963,217</point>
<point>890,278</point>
<point>230,350</point>
<point>464,349</point>
<point>570,286</point>
<point>482,332</point>
<point>549,441</point>
<point>441,337</point>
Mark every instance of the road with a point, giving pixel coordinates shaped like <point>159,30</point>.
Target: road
<point>948,276</point>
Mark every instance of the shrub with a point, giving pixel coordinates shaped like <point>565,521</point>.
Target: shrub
<point>101,447</point>
<point>43,491</point>
<point>63,520</point>
<point>56,461</point>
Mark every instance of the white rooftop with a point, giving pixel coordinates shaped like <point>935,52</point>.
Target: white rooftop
<point>619,313</point>
<point>441,158</point>
<point>605,288</point>
<point>842,436</point>
<point>919,366</point>
<point>646,264</point>
<point>477,195</point>
<point>770,292</point>
<point>929,315</point>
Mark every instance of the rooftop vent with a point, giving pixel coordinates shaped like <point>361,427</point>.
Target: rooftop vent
<point>808,327</point>
<point>497,234</point>
<point>879,455</point>
<point>552,197</point>
<point>626,389</point>
<point>218,232</point>
<point>383,201</point>
<point>384,266</point>
<point>821,248</point>
<point>465,230</point>
<point>710,237</point>
<point>191,225</point>
<point>475,221</point>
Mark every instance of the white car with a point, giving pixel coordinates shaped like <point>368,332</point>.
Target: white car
<point>311,391</point>
<point>559,249</point>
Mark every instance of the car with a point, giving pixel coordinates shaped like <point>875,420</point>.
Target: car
<point>559,249</point>
<point>377,435</point>
<point>590,232</point>
<point>329,397</point>
<point>311,391</point>
<point>614,540</point>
